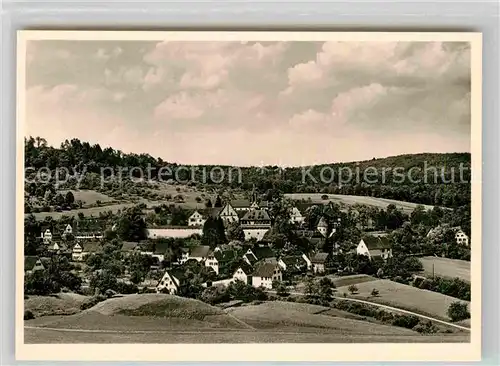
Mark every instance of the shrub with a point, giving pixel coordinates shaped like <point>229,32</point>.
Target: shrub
<point>324,197</point>
<point>405,321</point>
<point>94,300</point>
<point>426,328</point>
<point>352,289</point>
<point>126,288</point>
<point>458,311</point>
<point>28,314</point>
<point>384,316</point>
<point>374,292</point>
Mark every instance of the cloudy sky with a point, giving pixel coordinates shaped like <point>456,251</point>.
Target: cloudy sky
<point>252,103</point>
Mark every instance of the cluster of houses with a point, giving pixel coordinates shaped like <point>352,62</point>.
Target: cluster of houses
<point>252,216</point>
<point>259,266</point>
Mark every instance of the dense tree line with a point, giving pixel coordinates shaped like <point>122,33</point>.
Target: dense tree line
<point>440,181</point>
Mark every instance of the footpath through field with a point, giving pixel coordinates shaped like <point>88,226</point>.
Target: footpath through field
<point>389,308</point>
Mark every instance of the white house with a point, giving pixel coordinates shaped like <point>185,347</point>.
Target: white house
<point>255,224</point>
<point>173,232</point>
<point>293,264</point>
<point>296,217</point>
<point>308,261</point>
<point>374,246</point>
<point>33,264</point>
<point>461,238</point>
<point>318,262</point>
<point>171,281</point>
<point>212,262</point>
<point>199,253</point>
<point>228,214</point>
<point>68,230</point>
<point>196,219</point>
<point>77,254</point>
<point>47,236</point>
<point>243,273</point>
<point>265,274</point>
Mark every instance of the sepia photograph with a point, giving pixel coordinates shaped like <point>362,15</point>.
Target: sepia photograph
<point>216,189</point>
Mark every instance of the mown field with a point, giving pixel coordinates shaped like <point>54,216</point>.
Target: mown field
<point>350,200</point>
<point>446,267</point>
<point>159,318</point>
<point>405,297</point>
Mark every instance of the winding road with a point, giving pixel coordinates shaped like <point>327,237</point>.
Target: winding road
<point>392,308</point>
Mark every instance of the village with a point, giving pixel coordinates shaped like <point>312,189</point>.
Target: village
<point>264,244</point>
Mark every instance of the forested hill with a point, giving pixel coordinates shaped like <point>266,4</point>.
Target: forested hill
<point>428,178</point>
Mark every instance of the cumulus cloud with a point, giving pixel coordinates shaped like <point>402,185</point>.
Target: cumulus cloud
<point>253,102</point>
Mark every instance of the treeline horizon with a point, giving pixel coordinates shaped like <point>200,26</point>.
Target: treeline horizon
<point>447,186</point>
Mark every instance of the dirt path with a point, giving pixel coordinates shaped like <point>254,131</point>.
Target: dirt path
<point>391,308</point>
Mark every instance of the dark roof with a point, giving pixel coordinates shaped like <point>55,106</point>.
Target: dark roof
<point>319,257</point>
<point>29,262</point>
<point>322,222</point>
<point>225,255</point>
<point>210,212</point>
<point>256,215</point>
<point>294,260</point>
<point>251,258</point>
<point>91,247</point>
<point>376,242</point>
<point>264,270</point>
<point>177,273</point>
<point>161,247</point>
<point>129,246</point>
<point>200,251</point>
<point>248,269</point>
<point>263,252</point>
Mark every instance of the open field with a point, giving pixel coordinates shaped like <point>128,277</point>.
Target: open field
<point>340,281</point>
<point>159,318</point>
<point>350,200</point>
<point>88,197</point>
<point>445,267</point>
<point>405,297</point>
<point>40,335</point>
<point>86,211</point>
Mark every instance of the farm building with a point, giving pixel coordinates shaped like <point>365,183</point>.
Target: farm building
<point>265,274</point>
<point>374,246</point>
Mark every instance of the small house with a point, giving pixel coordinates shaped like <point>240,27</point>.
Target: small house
<point>319,261</point>
<point>171,281</point>
<point>375,246</point>
<point>265,274</point>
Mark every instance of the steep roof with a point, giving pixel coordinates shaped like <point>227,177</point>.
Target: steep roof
<point>129,246</point>
<point>91,247</point>
<point>177,273</point>
<point>256,215</point>
<point>248,269</point>
<point>294,260</point>
<point>322,222</point>
<point>319,257</point>
<point>200,251</point>
<point>265,270</point>
<point>263,252</point>
<point>376,242</point>
<point>29,262</point>
<point>225,255</point>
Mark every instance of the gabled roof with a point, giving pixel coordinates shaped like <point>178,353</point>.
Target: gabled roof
<point>322,222</point>
<point>320,257</point>
<point>129,246</point>
<point>251,258</point>
<point>376,242</point>
<point>294,260</point>
<point>29,262</point>
<point>91,247</point>
<point>177,273</point>
<point>161,247</point>
<point>264,270</point>
<point>225,255</point>
<point>256,215</point>
<point>200,251</point>
<point>247,269</point>
<point>263,252</point>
